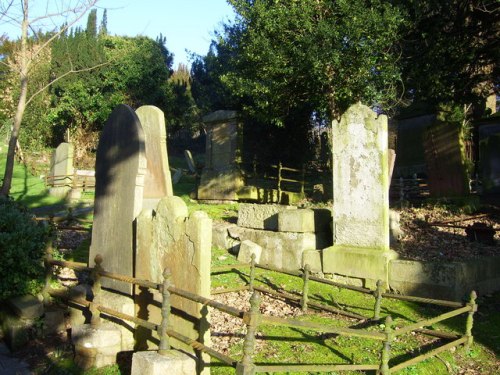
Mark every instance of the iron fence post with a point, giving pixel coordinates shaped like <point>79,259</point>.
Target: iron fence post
<point>378,300</point>
<point>96,290</point>
<point>470,320</point>
<point>252,320</point>
<point>305,288</point>
<point>386,349</point>
<point>165,314</point>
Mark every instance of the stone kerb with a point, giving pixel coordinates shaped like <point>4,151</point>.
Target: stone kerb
<point>172,363</point>
<point>157,181</point>
<point>361,197</point>
<point>260,216</point>
<point>119,174</point>
<point>300,221</point>
<point>61,169</point>
<point>170,238</point>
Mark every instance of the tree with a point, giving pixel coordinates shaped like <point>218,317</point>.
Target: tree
<point>451,50</point>
<point>28,59</point>
<point>330,54</point>
<point>182,112</point>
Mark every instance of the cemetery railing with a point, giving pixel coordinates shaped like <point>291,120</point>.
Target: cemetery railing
<point>165,288</point>
<point>390,331</point>
<point>253,319</point>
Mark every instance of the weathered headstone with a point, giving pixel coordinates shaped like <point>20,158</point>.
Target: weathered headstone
<point>361,197</point>
<point>157,181</point>
<point>119,173</point>
<point>61,169</point>
<point>221,177</point>
<point>170,238</point>
<point>445,163</point>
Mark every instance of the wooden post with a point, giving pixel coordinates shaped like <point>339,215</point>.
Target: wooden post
<point>96,290</point>
<point>252,272</point>
<point>48,272</point>
<point>386,349</point>
<point>303,182</point>
<point>279,181</point>
<point>305,288</point>
<point>378,300</point>
<point>252,320</point>
<point>470,320</point>
<point>164,346</point>
<point>401,189</point>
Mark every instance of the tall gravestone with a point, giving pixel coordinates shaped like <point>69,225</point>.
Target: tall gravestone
<point>221,177</point>
<point>360,197</point>
<point>119,174</point>
<point>61,169</point>
<point>157,181</point>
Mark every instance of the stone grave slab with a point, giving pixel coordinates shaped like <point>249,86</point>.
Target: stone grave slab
<point>119,173</point>
<point>361,197</point>
<point>61,169</point>
<point>158,180</point>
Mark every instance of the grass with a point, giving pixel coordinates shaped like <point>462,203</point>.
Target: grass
<point>27,189</point>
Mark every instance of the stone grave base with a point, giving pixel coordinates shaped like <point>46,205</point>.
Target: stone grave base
<point>96,347</point>
<point>173,362</point>
<point>445,280</point>
<point>220,185</point>
<point>362,263</point>
<point>125,305</point>
<point>60,191</point>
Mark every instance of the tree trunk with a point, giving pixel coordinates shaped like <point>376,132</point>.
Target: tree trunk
<point>21,106</point>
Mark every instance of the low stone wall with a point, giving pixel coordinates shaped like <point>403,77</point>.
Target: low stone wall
<point>283,232</point>
<point>450,280</point>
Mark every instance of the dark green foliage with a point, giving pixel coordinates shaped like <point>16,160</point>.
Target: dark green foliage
<point>451,51</point>
<point>22,246</point>
<point>91,30</point>
<point>329,54</point>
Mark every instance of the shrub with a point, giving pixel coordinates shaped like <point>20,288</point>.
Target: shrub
<point>22,247</point>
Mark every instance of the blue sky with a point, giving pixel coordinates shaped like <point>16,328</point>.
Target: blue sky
<point>187,24</point>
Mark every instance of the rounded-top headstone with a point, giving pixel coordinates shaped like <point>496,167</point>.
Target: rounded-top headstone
<point>119,174</point>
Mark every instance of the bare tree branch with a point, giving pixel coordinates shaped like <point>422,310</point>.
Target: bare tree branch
<point>72,71</point>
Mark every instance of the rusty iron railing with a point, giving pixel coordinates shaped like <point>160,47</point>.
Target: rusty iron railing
<point>253,318</point>
<point>387,336</point>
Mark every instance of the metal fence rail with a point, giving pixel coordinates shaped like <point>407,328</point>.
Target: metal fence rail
<point>253,319</point>
<point>388,335</point>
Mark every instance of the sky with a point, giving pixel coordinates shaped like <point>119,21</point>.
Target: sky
<point>187,24</point>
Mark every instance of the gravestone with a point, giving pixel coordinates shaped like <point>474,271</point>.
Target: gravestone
<point>119,175</point>
<point>361,197</point>
<point>489,149</point>
<point>157,181</point>
<point>445,165</point>
<point>170,238</point>
<point>61,169</point>
<point>221,177</point>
